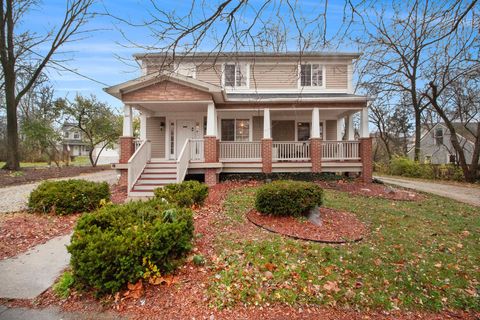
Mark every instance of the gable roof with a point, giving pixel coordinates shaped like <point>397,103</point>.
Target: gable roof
<point>250,54</point>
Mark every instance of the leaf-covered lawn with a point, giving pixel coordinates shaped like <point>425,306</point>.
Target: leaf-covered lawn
<point>418,255</point>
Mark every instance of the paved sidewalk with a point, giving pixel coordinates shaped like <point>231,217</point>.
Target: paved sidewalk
<point>459,193</point>
<point>15,198</point>
<point>29,274</point>
<point>51,314</point>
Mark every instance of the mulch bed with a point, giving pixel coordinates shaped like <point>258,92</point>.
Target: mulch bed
<point>372,190</point>
<point>21,231</point>
<point>337,226</point>
<point>187,297</point>
<point>27,175</point>
<point>118,193</point>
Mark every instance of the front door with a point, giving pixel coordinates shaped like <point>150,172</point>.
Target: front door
<point>185,130</point>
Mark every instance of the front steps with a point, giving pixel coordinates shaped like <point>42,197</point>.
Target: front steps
<point>155,174</point>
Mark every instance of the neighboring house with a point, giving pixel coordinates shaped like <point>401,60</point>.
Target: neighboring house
<point>436,147</point>
<point>72,140</point>
<point>241,113</point>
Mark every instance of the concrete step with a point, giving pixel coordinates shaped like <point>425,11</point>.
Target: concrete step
<point>171,175</point>
<point>156,180</point>
<point>161,165</point>
<point>145,187</point>
<point>159,170</point>
<point>140,194</point>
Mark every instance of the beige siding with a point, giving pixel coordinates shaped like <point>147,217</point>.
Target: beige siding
<point>210,74</point>
<point>331,130</point>
<point>283,130</point>
<point>257,128</point>
<point>273,76</point>
<point>336,76</point>
<point>156,136</point>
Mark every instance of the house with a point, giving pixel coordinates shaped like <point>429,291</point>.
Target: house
<point>241,113</point>
<point>436,146</point>
<point>72,141</point>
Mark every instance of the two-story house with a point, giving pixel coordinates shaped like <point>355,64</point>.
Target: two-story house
<point>241,113</point>
<point>72,140</point>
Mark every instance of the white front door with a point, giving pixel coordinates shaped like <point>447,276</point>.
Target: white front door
<point>185,130</point>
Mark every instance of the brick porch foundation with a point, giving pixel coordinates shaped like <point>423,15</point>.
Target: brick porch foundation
<point>366,158</point>
<point>316,154</point>
<point>211,154</point>
<point>127,148</point>
<point>267,145</point>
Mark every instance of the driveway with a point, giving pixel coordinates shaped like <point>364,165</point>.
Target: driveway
<point>459,193</point>
<point>15,198</point>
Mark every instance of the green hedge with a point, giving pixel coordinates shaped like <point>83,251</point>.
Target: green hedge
<point>68,196</point>
<point>287,197</point>
<point>401,166</point>
<point>121,243</point>
<point>185,194</point>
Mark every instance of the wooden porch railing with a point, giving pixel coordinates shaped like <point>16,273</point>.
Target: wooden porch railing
<point>137,143</point>
<point>137,162</point>
<point>183,161</point>
<point>293,151</point>
<point>196,149</point>
<point>240,151</point>
<point>340,150</point>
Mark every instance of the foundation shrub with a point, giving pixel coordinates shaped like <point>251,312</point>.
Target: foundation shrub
<point>185,194</point>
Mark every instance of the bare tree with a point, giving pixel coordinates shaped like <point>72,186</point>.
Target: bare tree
<point>399,40</point>
<point>18,54</point>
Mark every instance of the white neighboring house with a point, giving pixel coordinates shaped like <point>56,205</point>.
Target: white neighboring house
<point>107,156</point>
<point>73,140</point>
<point>436,147</point>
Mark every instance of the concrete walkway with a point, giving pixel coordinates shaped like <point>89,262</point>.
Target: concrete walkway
<point>15,198</point>
<point>459,193</point>
<point>51,314</point>
<point>29,274</point>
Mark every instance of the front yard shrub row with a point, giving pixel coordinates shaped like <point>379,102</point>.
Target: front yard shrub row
<point>185,194</point>
<point>68,196</point>
<point>118,244</point>
<point>287,197</point>
<point>401,166</point>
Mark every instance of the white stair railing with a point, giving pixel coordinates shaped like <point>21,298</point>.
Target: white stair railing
<point>137,143</point>
<point>239,151</point>
<point>196,149</point>
<point>183,161</point>
<point>340,150</point>
<point>292,151</point>
<point>137,162</point>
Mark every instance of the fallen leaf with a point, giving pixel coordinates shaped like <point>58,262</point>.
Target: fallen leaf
<point>331,286</point>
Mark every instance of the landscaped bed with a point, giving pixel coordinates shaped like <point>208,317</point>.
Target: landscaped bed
<point>420,261</point>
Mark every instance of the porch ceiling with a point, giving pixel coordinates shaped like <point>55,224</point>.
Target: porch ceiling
<point>173,106</point>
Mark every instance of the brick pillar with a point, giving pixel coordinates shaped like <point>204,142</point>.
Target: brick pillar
<point>316,154</point>
<point>210,150</point>
<point>366,157</point>
<point>127,148</point>
<point>267,145</point>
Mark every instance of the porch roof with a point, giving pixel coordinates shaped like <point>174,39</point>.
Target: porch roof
<point>294,97</point>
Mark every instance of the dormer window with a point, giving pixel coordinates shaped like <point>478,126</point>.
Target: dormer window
<point>311,75</point>
<point>235,75</point>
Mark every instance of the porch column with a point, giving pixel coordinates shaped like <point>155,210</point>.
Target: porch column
<point>143,126</point>
<point>365,148</point>
<point>316,142</point>
<point>211,145</point>
<point>267,142</point>
<point>349,130</point>
<point>127,147</point>
<point>340,125</point>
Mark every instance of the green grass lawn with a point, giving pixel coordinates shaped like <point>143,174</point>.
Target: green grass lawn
<point>79,161</point>
<point>418,255</point>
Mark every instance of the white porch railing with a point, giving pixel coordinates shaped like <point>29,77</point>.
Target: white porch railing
<point>183,161</point>
<point>196,149</point>
<point>293,151</point>
<point>137,162</point>
<point>137,143</point>
<point>340,150</point>
<point>239,151</point>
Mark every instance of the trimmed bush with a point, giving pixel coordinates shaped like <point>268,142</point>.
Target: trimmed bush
<point>68,196</point>
<point>185,194</point>
<point>288,198</point>
<point>118,244</point>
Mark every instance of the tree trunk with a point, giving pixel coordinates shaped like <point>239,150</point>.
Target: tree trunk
<point>418,134</point>
<point>13,158</point>
<point>90,156</point>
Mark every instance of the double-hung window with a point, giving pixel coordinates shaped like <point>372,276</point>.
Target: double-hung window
<point>235,75</point>
<point>311,75</point>
<point>439,136</point>
<point>235,129</point>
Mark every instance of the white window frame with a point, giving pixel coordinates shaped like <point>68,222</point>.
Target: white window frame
<point>250,129</point>
<point>247,75</point>
<point>310,87</point>
<point>435,136</point>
